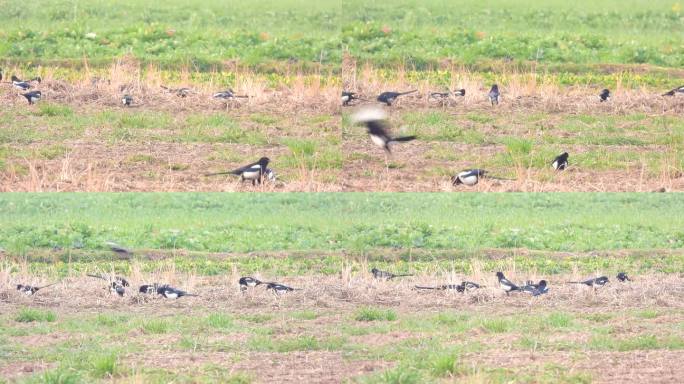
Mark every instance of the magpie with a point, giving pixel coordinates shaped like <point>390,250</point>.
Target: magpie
<point>506,284</point>
<point>279,288</point>
<point>598,281</point>
<point>121,251</point>
<point>459,92</point>
<point>560,162</point>
<point>622,277</point>
<point>378,274</point>
<point>118,280</point>
<point>248,281</point>
<point>377,126</point>
<point>148,288</point>
<point>535,289</point>
<point>469,285</point>
<point>494,94</point>
<point>443,287</point>
<point>604,95</point>
<point>675,91</point>
<point>127,100</point>
<point>32,96</point>
<point>117,288</point>
<point>471,177</point>
<point>227,94</point>
<point>389,97</point>
<point>23,85</point>
<point>270,175</point>
<point>180,92</point>
<point>348,97</point>
<point>29,290</point>
<point>254,171</point>
<point>172,293</point>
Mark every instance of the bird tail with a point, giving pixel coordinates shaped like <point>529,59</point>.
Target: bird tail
<point>669,93</point>
<point>406,274</point>
<point>241,96</point>
<point>419,287</point>
<point>499,178</point>
<point>191,294</point>
<point>222,173</point>
<point>406,93</point>
<point>574,282</point>
<point>97,277</point>
<point>404,138</point>
<point>49,285</point>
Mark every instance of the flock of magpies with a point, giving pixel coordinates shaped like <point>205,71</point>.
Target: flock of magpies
<point>117,285</point>
<point>375,120</point>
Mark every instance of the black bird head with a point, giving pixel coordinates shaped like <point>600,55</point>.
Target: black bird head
<point>460,92</point>
<point>500,275</point>
<point>542,284</point>
<point>263,162</point>
<point>622,277</point>
<point>495,89</point>
<point>604,95</point>
<point>15,78</point>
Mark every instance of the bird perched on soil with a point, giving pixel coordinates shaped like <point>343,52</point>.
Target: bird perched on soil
<point>279,288</point>
<point>127,100</point>
<point>348,97</point>
<point>180,92</point>
<point>560,162</point>
<point>675,91</point>
<point>604,95</point>
<point>227,94</point>
<point>593,282</point>
<point>622,277</point>
<point>535,289</point>
<point>494,94</point>
<point>506,284</point>
<point>464,286</point>
<point>389,97</point>
<point>254,171</point>
<point>117,284</point>
<point>377,126</point>
<point>248,281</point>
<point>24,85</point>
<point>32,96</point>
<point>172,293</point>
<point>29,290</point>
<point>471,177</point>
<point>378,274</point>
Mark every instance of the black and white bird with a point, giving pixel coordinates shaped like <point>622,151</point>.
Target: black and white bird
<point>560,162</point>
<point>604,95</point>
<point>180,92</point>
<point>377,126</point>
<point>464,286</point>
<point>149,289</point>
<point>227,94</point>
<point>119,250</point>
<point>675,91</point>
<point>32,96</point>
<point>468,177</point>
<point>459,92</point>
<point>127,100</point>
<point>494,94</point>
<point>279,288</point>
<point>247,282</point>
<point>29,290</point>
<point>622,277</point>
<point>254,171</point>
<point>118,280</point>
<point>378,274</point>
<point>506,284</point>
<point>172,293</point>
<point>535,289</point>
<point>348,97</point>
<point>389,97</point>
<point>593,282</point>
<point>24,85</point>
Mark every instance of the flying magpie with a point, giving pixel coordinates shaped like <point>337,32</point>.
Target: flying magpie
<point>29,290</point>
<point>675,91</point>
<point>348,97</point>
<point>119,250</point>
<point>180,92</point>
<point>560,162</point>
<point>279,288</point>
<point>254,171</point>
<point>535,289</point>
<point>604,95</point>
<point>389,97</point>
<point>32,96</point>
<point>598,281</point>
<point>506,284</point>
<point>227,94</point>
<point>172,293</point>
<point>494,94</point>
<point>248,281</point>
<point>375,121</point>
<point>378,274</point>
<point>127,100</point>
<point>622,277</point>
